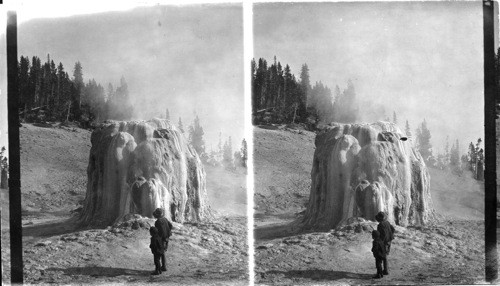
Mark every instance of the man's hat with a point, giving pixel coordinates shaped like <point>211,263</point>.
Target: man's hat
<point>158,212</point>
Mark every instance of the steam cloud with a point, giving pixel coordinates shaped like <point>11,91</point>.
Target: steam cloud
<point>187,59</point>
<point>411,58</point>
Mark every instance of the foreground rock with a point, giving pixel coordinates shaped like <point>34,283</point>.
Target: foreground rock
<point>135,167</point>
<point>361,169</point>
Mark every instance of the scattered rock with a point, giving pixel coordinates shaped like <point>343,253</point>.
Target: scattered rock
<point>265,246</point>
<point>69,238</point>
<point>291,241</point>
<point>43,243</point>
<point>136,225</point>
<point>206,238</point>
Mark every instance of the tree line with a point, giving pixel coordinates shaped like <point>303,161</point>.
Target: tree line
<point>222,156</point>
<point>279,97</point>
<point>450,159</point>
<point>48,93</point>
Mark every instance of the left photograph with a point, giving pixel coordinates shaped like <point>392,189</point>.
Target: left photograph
<point>133,156</point>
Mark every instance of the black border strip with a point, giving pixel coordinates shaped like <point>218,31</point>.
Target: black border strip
<point>16,242</point>
<point>490,94</point>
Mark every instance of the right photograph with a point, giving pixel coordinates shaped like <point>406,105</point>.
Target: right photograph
<point>368,126</point>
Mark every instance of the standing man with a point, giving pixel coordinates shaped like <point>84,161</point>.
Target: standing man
<point>165,231</point>
<point>386,231</point>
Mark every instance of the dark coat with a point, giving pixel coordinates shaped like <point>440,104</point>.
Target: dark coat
<point>164,228</point>
<point>386,231</point>
<point>157,246</point>
<point>378,249</point>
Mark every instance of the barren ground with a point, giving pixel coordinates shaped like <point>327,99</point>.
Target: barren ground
<point>448,251</point>
<point>53,174</point>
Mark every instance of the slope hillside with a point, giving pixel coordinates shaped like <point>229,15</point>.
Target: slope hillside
<point>53,169</point>
<point>450,250</point>
<point>282,165</point>
<point>457,196</point>
<point>54,175</point>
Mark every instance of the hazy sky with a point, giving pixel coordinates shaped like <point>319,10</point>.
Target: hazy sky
<point>421,60</point>
<point>184,58</point>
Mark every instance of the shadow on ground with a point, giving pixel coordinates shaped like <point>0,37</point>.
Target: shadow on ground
<point>57,227</point>
<point>96,271</point>
<point>289,226</point>
<point>319,274</point>
<point>283,225</point>
<point>273,231</point>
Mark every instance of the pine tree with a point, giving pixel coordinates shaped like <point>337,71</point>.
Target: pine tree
<point>122,90</point>
<point>196,137</point>
<point>423,141</point>
<point>407,129</point>
<point>220,151</point>
<point>227,156</point>
<point>255,97</point>
<point>24,85</point>
<point>53,103</point>
<point>471,157</point>
<point>110,91</point>
<point>455,155</point>
<point>167,115</point>
<point>4,169</point>
<point>478,160</point>
<point>394,117</point>
<point>321,102</point>
<point>305,84</point>
<point>3,159</point>
<point>61,94</point>
<point>118,105</point>
<point>78,81</point>
<point>244,153</point>
<point>287,87</point>
<point>345,109</point>
<point>35,81</point>
<point>181,126</point>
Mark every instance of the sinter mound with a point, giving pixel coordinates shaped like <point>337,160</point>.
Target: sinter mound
<point>135,167</point>
<point>361,169</point>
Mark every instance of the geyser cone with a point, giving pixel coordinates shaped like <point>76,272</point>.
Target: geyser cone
<point>361,169</point>
<point>135,167</point>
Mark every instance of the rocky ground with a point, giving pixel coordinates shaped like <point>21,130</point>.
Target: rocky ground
<point>448,251</point>
<point>53,173</point>
<point>208,254</point>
